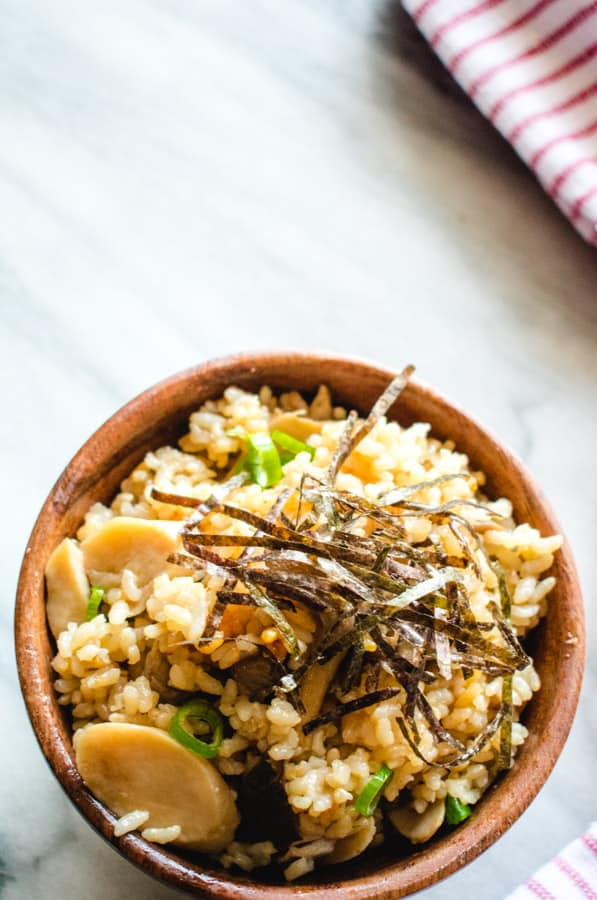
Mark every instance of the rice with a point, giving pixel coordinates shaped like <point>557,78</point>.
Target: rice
<point>125,664</point>
<point>161,835</point>
<point>130,822</point>
<point>248,856</point>
<point>298,868</point>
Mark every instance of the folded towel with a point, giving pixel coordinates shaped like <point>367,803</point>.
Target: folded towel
<point>570,875</point>
<point>531,68</point>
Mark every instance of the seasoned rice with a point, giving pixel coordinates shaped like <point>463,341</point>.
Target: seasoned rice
<point>130,663</point>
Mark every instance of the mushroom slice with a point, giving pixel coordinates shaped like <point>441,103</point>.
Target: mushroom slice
<point>156,669</point>
<point>265,809</point>
<point>418,827</point>
<point>256,675</point>
<point>126,542</point>
<point>131,767</point>
<point>67,585</point>
<point>353,844</point>
<point>321,406</point>
<point>299,427</point>
<point>315,684</point>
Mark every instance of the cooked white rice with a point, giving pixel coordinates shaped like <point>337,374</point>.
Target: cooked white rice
<point>131,822</point>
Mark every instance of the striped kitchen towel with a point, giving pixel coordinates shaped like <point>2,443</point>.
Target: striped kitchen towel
<point>572,875</point>
<point>531,68</point>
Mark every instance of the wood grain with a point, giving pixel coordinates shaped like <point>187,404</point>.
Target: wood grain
<point>158,415</point>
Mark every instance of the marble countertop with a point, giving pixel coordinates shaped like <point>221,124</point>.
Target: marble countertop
<point>180,180</point>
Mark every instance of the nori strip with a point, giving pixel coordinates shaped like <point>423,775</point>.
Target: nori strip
<point>342,448</point>
<point>175,499</point>
<point>343,709</point>
<point>219,492</point>
<point>471,751</point>
<point>398,495</point>
<point>354,667</point>
<point>409,598</point>
<point>280,621</point>
<point>380,407</point>
<point>504,760</point>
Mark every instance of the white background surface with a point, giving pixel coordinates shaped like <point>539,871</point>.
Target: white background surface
<point>187,178</point>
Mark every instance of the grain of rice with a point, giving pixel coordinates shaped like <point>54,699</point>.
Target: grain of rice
<point>298,868</point>
<point>130,822</point>
<point>162,835</point>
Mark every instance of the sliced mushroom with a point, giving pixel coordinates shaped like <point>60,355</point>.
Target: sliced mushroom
<point>126,542</point>
<point>292,400</point>
<point>265,810</point>
<point>299,427</point>
<point>321,405</point>
<point>418,827</point>
<point>354,844</point>
<point>67,585</point>
<point>156,668</point>
<point>131,767</point>
<point>257,674</point>
<point>315,684</point>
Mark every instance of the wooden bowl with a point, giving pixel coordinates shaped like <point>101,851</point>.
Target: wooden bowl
<point>158,416</point>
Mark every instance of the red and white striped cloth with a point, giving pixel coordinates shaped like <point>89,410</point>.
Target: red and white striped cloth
<point>572,875</point>
<point>531,68</point>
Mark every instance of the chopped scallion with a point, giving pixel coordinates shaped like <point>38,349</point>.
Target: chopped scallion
<point>290,446</point>
<point>202,710</point>
<point>456,811</point>
<point>366,802</point>
<point>96,595</point>
<point>263,460</point>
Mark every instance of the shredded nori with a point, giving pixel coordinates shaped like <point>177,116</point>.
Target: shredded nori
<point>273,610</point>
<point>380,408</point>
<point>343,447</point>
<point>393,608</point>
<point>343,709</point>
<point>175,499</point>
<point>504,760</point>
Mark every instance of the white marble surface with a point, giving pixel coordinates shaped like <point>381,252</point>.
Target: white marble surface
<point>182,179</point>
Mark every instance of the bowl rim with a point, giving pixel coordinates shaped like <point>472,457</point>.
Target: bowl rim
<point>397,879</point>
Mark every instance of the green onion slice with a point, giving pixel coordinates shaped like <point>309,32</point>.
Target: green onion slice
<point>241,466</point>
<point>198,709</point>
<point>366,802</point>
<point>292,446</point>
<point>263,460</point>
<point>96,595</point>
<point>456,811</point>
